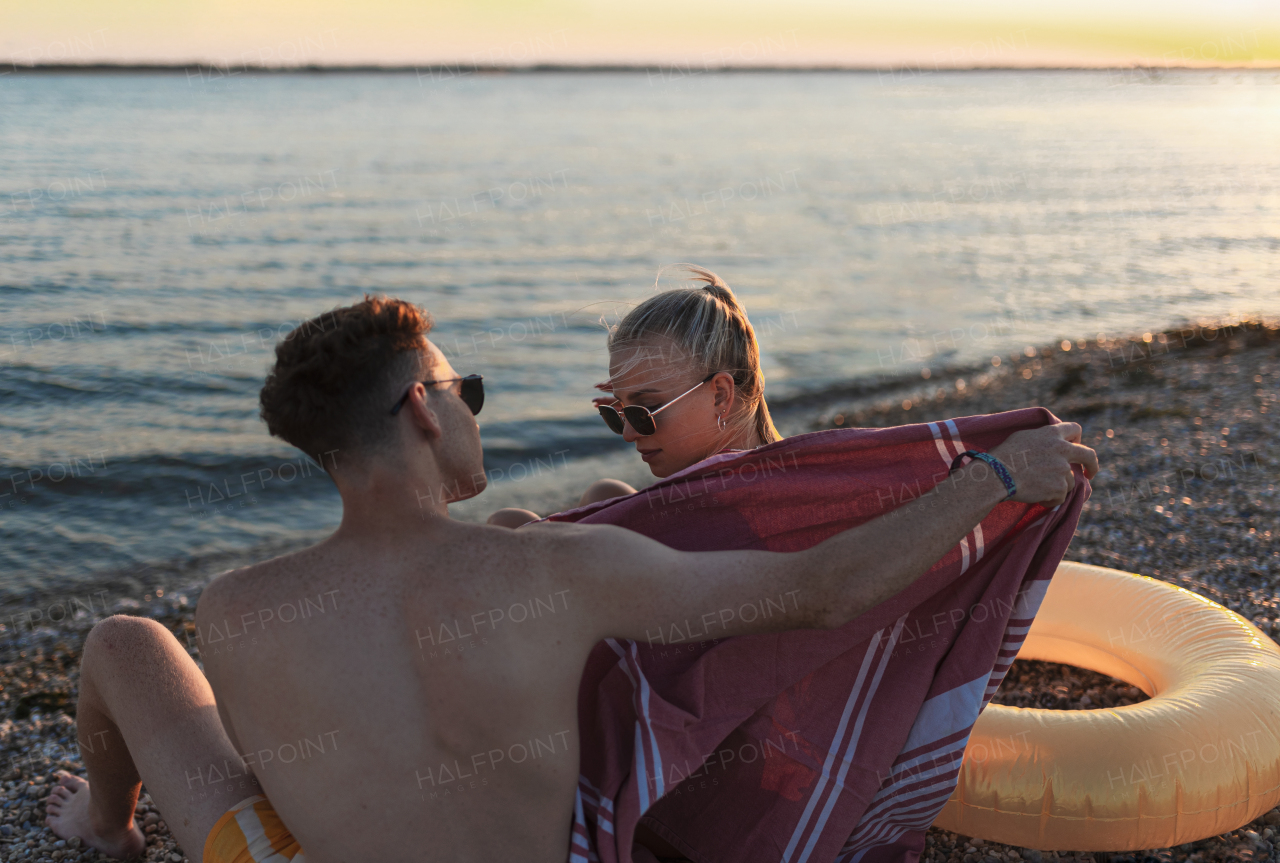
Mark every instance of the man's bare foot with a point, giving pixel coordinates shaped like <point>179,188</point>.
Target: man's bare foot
<point>68,808</point>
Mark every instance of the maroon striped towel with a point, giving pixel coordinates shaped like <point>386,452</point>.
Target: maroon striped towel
<point>809,745</point>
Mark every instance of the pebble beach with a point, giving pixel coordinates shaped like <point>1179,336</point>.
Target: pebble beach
<point>1184,422</point>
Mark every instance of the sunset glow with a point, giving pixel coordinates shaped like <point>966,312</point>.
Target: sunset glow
<point>923,35</point>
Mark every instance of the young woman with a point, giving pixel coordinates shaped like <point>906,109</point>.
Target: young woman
<point>684,384</point>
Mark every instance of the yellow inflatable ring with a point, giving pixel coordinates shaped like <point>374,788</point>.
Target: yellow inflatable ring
<point>1201,757</point>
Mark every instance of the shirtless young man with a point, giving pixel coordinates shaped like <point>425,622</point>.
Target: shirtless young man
<point>332,676</point>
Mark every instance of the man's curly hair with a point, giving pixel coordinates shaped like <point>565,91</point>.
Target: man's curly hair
<point>336,377</point>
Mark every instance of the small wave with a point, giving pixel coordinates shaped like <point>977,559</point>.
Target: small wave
<point>24,382</point>
<point>160,479</point>
<point>41,288</point>
<point>79,538</point>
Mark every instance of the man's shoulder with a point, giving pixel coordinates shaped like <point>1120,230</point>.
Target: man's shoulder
<point>226,589</point>
<point>561,531</point>
<point>594,553</point>
<point>560,539</point>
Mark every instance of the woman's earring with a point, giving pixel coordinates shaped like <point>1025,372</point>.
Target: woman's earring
<point>721,423</point>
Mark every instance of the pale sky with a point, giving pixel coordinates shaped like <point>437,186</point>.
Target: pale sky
<point>693,34</point>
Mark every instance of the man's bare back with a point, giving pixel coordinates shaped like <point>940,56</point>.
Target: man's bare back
<point>407,688</point>
<point>437,687</point>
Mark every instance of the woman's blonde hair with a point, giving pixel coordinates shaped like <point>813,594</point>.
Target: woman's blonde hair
<point>710,327</point>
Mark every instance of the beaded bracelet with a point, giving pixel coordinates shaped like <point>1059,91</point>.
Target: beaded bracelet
<point>996,465</point>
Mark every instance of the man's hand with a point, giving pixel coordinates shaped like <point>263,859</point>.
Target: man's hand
<point>1040,461</point>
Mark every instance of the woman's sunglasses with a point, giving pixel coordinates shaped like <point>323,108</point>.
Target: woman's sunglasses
<point>641,418</point>
<point>471,393</point>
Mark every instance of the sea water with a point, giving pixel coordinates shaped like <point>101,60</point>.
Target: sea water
<point>160,232</point>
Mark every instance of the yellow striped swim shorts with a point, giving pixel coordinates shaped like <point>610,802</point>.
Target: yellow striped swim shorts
<point>251,832</point>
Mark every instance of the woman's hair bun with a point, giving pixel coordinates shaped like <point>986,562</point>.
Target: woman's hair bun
<point>713,285</point>
<point>721,292</point>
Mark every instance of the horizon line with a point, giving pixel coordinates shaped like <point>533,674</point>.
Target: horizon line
<point>446,70</point>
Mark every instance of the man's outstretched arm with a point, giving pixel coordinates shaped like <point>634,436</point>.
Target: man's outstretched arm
<point>636,586</point>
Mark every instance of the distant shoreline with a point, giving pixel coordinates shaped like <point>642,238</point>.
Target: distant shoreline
<point>462,69</point>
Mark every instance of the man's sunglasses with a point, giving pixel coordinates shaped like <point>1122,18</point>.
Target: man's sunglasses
<point>471,393</point>
<point>641,418</point>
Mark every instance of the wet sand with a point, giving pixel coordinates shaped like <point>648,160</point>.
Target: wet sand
<point>1184,423</point>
